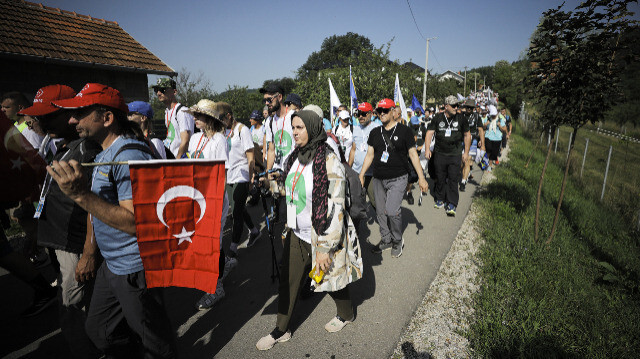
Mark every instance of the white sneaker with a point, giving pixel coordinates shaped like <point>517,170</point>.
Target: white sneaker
<point>336,324</point>
<point>267,342</point>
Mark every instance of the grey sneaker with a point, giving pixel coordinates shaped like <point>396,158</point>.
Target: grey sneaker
<point>210,299</point>
<point>380,247</point>
<point>396,250</point>
<point>253,238</point>
<point>229,264</point>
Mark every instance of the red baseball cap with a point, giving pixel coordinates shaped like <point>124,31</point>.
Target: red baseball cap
<point>95,94</point>
<point>365,107</point>
<point>386,103</point>
<point>42,102</point>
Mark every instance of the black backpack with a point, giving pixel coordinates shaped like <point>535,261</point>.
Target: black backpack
<point>131,146</point>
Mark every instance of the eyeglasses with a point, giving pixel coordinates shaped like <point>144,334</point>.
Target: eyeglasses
<point>270,99</point>
<point>382,111</point>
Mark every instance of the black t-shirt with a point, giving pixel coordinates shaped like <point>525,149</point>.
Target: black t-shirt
<point>401,138</point>
<point>63,224</point>
<point>474,123</point>
<point>420,134</point>
<point>452,144</point>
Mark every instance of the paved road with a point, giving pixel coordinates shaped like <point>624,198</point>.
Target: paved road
<point>385,299</point>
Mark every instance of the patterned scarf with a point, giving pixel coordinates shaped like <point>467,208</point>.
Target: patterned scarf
<point>315,150</point>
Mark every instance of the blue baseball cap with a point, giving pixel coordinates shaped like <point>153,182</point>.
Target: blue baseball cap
<point>255,115</point>
<point>141,107</point>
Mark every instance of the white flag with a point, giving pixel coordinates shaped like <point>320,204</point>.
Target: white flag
<point>397,98</point>
<point>334,102</point>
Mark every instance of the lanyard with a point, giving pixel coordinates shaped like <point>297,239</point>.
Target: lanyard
<point>448,122</point>
<point>47,178</point>
<point>170,116</point>
<point>386,146</point>
<point>198,153</point>
<point>295,179</point>
<point>281,129</point>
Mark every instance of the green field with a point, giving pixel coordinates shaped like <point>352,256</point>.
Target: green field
<point>578,297</point>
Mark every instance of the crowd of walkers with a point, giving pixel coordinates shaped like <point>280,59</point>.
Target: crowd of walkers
<point>319,170</point>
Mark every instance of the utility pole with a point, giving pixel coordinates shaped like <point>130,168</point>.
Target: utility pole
<point>475,82</point>
<point>465,82</point>
<point>426,69</point>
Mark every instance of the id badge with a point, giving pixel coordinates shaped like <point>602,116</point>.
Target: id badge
<point>447,133</point>
<point>385,157</point>
<point>291,215</point>
<point>39,209</point>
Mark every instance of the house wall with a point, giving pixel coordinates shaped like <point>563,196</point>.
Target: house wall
<point>28,76</point>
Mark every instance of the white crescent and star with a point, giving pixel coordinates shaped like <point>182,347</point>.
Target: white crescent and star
<point>173,193</point>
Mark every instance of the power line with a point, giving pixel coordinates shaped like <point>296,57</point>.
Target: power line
<point>414,21</point>
<point>436,57</point>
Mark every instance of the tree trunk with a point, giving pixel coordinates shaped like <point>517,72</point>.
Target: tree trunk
<point>544,169</point>
<point>564,185</point>
<point>535,147</point>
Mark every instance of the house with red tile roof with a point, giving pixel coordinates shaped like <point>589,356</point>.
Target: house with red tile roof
<point>41,45</point>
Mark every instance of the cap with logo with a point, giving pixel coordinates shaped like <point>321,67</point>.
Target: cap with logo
<point>469,103</point>
<point>272,88</point>
<point>256,115</point>
<point>294,99</point>
<point>386,103</point>
<point>42,102</point>
<point>164,83</point>
<point>95,94</point>
<point>365,107</point>
<point>141,107</point>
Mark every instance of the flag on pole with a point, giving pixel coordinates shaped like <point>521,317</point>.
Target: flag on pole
<point>415,104</point>
<point>178,208</point>
<point>334,103</point>
<point>352,91</point>
<point>397,98</point>
<point>21,167</point>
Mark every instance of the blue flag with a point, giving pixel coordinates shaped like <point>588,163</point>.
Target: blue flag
<point>352,90</point>
<point>415,104</point>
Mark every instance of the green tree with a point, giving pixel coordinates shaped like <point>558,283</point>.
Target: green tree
<point>335,52</point>
<point>242,100</point>
<point>287,83</point>
<point>575,77</point>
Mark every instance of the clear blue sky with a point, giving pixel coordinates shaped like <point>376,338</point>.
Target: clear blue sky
<point>246,42</point>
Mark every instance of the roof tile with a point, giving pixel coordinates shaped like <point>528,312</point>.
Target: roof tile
<point>63,34</point>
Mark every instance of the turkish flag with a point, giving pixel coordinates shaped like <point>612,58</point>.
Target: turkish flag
<point>21,167</point>
<point>178,206</point>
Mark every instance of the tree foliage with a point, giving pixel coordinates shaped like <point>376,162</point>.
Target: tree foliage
<point>335,51</point>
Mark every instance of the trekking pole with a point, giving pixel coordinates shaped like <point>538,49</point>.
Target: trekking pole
<point>268,214</point>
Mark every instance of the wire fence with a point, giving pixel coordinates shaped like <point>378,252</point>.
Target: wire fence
<point>606,164</point>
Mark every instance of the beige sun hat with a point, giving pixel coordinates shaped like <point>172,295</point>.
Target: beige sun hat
<point>205,107</point>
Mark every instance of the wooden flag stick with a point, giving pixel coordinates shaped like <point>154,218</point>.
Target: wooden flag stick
<point>92,164</point>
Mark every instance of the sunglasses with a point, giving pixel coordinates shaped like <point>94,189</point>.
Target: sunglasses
<point>383,111</point>
<point>362,113</point>
<point>270,99</point>
<point>160,89</point>
<point>455,105</point>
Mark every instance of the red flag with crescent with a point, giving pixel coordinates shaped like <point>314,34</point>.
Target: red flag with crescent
<point>178,207</point>
<point>21,167</point>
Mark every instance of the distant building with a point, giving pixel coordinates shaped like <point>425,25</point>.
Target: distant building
<point>41,45</point>
<point>451,75</point>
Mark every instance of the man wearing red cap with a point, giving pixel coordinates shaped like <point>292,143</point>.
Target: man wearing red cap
<point>120,295</point>
<point>360,138</point>
<point>389,148</point>
<point>62,224</point>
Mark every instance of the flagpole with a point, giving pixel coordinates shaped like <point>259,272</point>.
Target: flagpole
<point>93,164</point>
<point>350,99</point>
<point>426,69</point>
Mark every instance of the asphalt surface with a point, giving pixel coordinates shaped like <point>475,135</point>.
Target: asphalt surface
<point>385,299</point>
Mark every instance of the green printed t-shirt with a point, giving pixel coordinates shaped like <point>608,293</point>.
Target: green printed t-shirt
<point>298,199</point>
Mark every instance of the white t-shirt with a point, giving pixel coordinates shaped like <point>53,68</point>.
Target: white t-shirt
<point>238,143</point>
<point>282,136</point>
<point>159,146</point>
<point>302,195</point>
<point>345,137</point>
<point>257,134</point>
<point>214,148</point>
<point>34,139</point>
<point>177,122</point>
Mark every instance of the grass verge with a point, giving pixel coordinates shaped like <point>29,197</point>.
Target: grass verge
<point>577,297</point>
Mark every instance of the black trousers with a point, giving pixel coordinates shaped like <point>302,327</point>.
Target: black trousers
<point>493,149</point>
<point>238,193</point>
<point>447,170</point>
<point>122,306</point>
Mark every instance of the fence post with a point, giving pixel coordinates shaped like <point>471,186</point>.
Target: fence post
<point>584,157</point>
<point>549,139</point>
<point>555,149</point>
<point>569,147</point>
<point>606,172</point>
